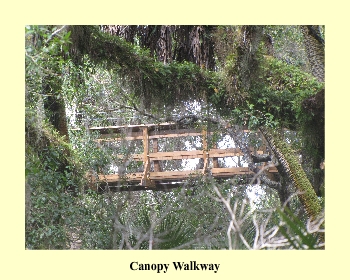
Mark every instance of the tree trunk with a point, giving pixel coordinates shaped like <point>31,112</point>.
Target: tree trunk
<point>314,45</point>
<point>315,105</point>
<point>293,170</point>
<point>54,104</point>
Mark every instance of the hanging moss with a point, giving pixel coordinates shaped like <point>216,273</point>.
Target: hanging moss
<point>154,82</point>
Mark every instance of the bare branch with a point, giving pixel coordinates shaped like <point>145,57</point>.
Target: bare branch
<point>58,30</point>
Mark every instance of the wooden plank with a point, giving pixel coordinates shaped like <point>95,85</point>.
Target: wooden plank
<point>230,171</point>
<point>219,153</point>
<point>230,152</point>
<point>116,177</point>
<point>175,175</point>
<point>176,155</point>
<point>136,135</point>
<point>152,176</point>
<point>138,157</point>
<point>121,136</point>
<point>166,175</point>
<point>152,126</point>
<point>157,187</point>
<point>118,128</point>
<point>272,170</point>
<point>174,133</point>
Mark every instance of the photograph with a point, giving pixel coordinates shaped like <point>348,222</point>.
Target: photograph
<point>174,137</point>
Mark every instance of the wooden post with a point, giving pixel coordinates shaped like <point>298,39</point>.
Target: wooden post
<point>205,150</point>
<point>215,159</point>
<point>146,162</point>
<point>155,150</point>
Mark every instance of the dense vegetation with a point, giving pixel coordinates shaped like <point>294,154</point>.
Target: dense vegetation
<point>225,78</point>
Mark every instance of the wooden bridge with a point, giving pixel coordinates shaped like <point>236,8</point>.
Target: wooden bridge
<point>153,177</point>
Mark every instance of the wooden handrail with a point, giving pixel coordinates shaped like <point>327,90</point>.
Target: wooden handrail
<point>213,153</point>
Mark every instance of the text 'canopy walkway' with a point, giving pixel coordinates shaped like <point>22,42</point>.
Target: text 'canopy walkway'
<point>153,177</point>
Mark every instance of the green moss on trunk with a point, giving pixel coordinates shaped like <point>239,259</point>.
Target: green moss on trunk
<point>295,172</point>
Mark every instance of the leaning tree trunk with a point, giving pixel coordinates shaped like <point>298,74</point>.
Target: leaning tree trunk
<point>52,82</point>
<point>295,173</point>
<point>56,110</point>
<point>314,45</point>
<point>314,105</point>
<point>54,104</point>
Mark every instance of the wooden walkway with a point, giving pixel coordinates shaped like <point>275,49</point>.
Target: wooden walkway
<point>152,177</point>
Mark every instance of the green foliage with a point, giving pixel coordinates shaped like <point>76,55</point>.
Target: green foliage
<point>148,78</point>
<point>52,169</point>
<point>174,232</point>
<point>51,174</point>
<point>288,44</point>
<point>294,230</point>
<point>279,91</point>
<point>275,97</point>
<point>93,223</point>
<point>124,222</point>
<point>42,49</point>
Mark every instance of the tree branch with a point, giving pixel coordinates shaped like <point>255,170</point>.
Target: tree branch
<point>55,33</point>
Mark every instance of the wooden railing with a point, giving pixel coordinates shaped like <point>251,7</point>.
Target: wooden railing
<point>154,179</point>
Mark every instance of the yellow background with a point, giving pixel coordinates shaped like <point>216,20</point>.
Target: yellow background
<point>17,263</point>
